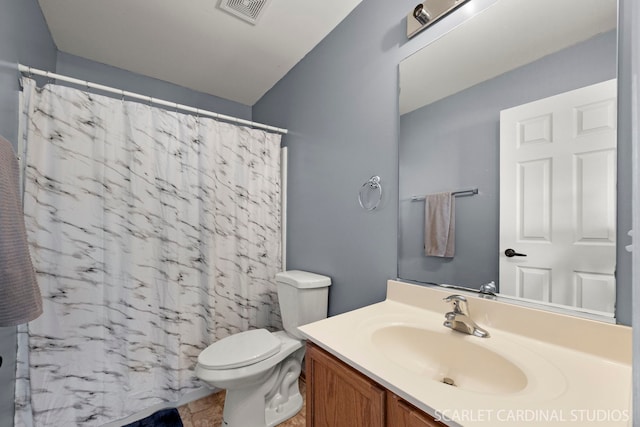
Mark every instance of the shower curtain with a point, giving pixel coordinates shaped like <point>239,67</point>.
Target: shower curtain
<point>152,234</point>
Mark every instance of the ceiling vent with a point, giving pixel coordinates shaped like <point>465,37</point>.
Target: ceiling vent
<point>247,10</point>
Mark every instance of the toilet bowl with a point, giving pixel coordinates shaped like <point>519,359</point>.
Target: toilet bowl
<point>260,369</point>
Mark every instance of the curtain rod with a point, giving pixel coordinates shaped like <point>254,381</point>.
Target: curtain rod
<point>48,74</point>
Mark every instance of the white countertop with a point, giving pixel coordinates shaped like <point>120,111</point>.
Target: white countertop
<point>578,372</point>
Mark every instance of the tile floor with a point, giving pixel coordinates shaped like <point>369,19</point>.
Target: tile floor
<point>207,412</point>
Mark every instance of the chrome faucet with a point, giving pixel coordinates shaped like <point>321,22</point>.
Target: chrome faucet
<point>488,289</point>
<point>459,319</point>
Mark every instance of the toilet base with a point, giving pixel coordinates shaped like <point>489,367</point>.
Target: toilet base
<point>277,400</point>
<point>288,410</point>
<point>240,415</point>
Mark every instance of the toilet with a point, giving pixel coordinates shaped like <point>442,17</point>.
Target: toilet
<point>260,369</point>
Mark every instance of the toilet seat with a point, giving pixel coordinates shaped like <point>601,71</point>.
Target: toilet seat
<point>238,350</point>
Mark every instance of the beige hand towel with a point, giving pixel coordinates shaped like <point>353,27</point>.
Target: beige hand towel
<point>439,225</point>
<point>20,299</point>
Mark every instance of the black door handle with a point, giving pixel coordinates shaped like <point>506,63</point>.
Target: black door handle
<point>511,253</point>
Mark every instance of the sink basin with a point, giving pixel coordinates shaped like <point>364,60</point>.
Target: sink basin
<point>450,358</point>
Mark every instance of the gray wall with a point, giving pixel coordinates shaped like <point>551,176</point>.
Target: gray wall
<point>454,144</point>
<point>340,106</point>
<point>24,38</point>
<point>626,45</point>
<point>85,69</point>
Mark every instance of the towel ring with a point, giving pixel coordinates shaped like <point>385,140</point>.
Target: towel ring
<point>370,194</point>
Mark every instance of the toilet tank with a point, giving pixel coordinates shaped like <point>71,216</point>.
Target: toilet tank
<point>303,298</point>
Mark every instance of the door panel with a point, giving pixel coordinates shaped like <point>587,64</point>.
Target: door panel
<point>534,283</point>
<point>595,196</point>
<point>534,213</point>
<point>593,291</point>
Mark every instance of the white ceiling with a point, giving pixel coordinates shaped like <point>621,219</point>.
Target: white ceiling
<point>193,43</point>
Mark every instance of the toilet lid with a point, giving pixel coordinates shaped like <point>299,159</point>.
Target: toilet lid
<point>242,349</point>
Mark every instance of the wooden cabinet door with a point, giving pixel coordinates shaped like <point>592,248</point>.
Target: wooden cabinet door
<point>338,395</point>
<point>402,414</point>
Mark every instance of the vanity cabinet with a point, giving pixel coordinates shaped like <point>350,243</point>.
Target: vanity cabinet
<point>402,414</point>
<point>340,396</point>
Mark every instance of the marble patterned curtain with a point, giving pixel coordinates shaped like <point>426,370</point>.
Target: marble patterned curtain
<point>153,234</point>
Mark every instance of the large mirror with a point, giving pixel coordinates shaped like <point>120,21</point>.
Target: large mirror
<point>519,103</point>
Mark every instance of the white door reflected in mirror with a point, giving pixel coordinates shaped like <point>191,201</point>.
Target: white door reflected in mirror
<point>558,199</point>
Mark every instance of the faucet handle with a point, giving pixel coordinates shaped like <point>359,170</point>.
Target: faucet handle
<point>454,297</point>
<point>488,288</point>
<point>459,304</point>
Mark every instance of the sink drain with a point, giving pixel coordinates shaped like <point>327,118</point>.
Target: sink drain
<point>448,381</point>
